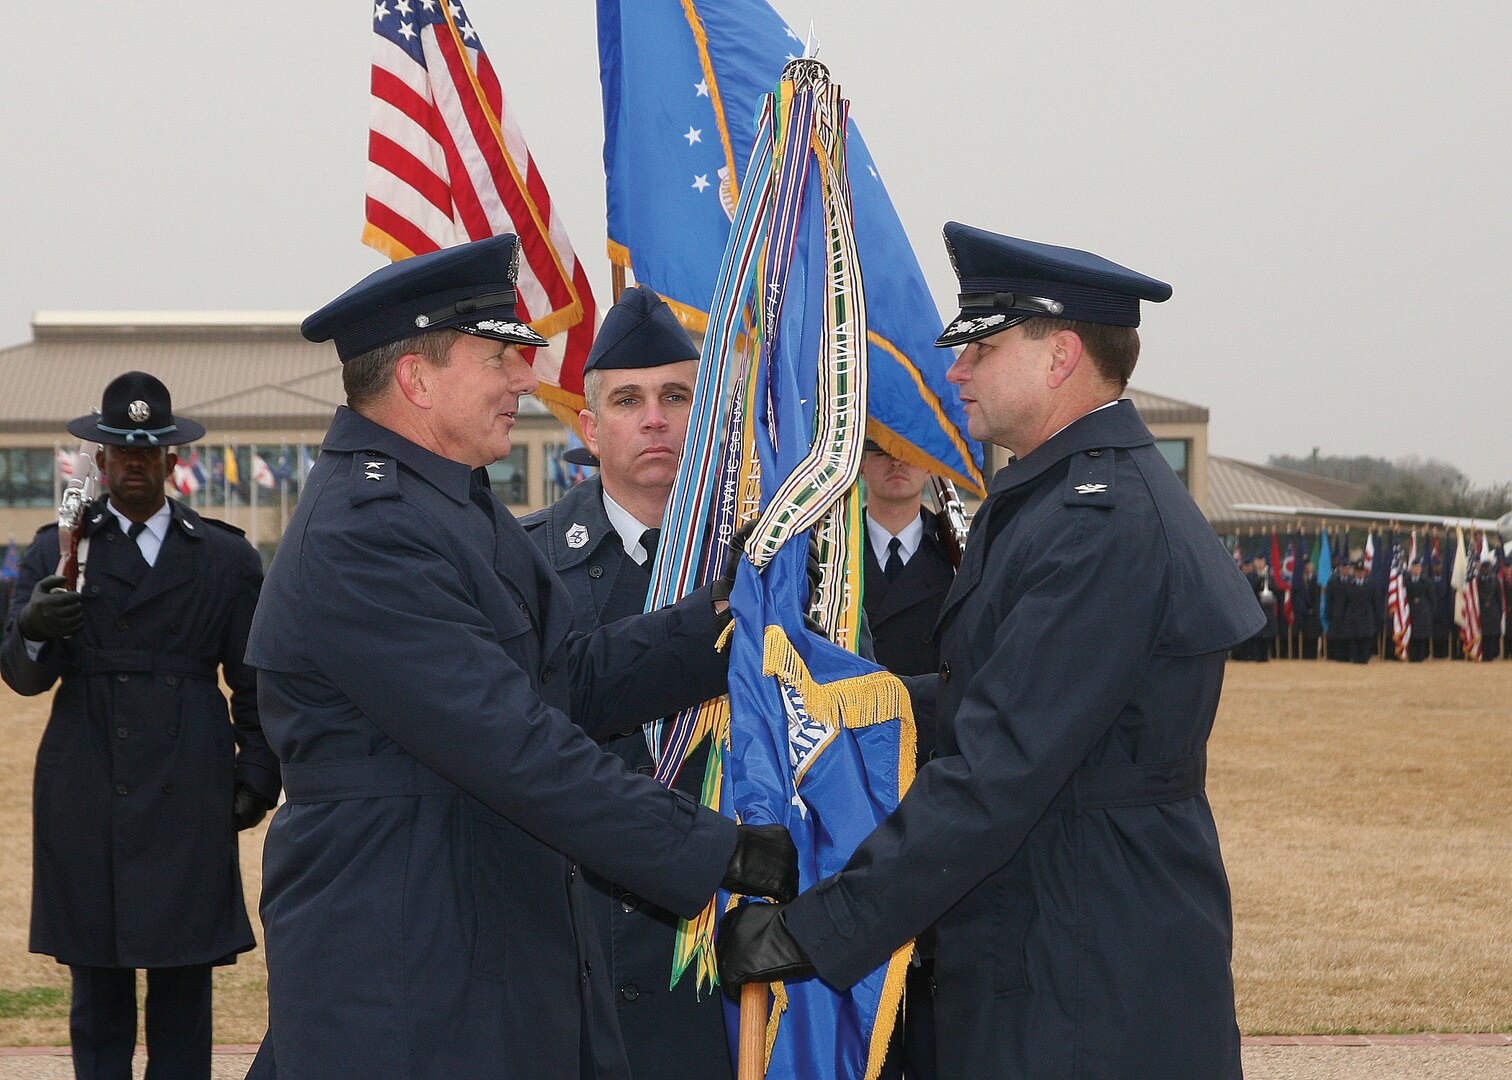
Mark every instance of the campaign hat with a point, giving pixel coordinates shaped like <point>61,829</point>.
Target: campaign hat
<point>136,410</point>
<point>470,287</point>
<point>1005,280</point>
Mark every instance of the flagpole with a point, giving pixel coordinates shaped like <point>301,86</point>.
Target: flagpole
<point>752,1055</point>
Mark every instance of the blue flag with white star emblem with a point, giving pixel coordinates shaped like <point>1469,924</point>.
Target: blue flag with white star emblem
<point>682,85</point>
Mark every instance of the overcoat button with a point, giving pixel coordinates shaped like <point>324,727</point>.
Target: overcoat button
<point>172,680</point>
<point>587,968</point>
<point>174,628</point>
<point>168,788</point>
<point>121,732</point>
<point>94,590</point>
<point>629,902</point>
<point>1094,453</point>
<point>572,872</point>
<point>172,729</point>
<point>524,607</point>
<point>546,673</point>
<point>120,624</point>
<point>121,676</point>
<point>944,672</point>
<point>121,789</point>
<point>630,992</point>
<point>595,571</point>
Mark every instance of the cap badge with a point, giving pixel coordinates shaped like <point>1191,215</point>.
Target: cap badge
<point>577,535</point>
<point>138,411</point>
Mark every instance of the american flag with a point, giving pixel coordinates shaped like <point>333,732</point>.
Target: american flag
<point>1396,603</point>
<point>1466,601</point>
<point>447,164</point>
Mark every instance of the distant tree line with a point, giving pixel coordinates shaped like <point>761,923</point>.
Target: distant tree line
<point>1408,485</point>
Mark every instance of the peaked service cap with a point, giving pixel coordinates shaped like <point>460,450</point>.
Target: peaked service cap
<point>1005,280</point>
<point>470,287</point>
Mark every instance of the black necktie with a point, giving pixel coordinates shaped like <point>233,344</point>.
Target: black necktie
<point>479,491</point>
<point>136,529</point>
<point>649,539</point>
<point>894,565</point>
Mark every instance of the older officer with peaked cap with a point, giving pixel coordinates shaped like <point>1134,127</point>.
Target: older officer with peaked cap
<point>424,908</point>
<point>141,783</point>
<point>601,539</point>
<point>1060,839</point>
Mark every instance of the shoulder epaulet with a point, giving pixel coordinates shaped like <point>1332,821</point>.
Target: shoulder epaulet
<point>1089,481</point>
<point>218,523</point>
<point>373,476</point>
<point>535,519</point>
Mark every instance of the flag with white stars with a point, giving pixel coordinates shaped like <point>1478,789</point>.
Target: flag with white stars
<point>448,164</point>
<point>682,83</point>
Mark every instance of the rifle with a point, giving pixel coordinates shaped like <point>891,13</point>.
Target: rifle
<point>80,491</point>
<point>952,529</point>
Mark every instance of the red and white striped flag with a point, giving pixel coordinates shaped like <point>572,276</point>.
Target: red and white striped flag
<point>1396,603</point>
<point>448,164</point>
<point>1466,601</point>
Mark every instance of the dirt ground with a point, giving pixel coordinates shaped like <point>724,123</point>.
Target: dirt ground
<point>1364,814</point>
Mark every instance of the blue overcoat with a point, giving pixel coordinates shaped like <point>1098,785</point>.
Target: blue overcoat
<point>670,1033</point>
<point>1060,840</point>
<point>134,860</point>
<point>423,906</point>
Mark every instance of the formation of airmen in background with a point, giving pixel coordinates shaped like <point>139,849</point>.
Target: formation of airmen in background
<point>1349,620</point>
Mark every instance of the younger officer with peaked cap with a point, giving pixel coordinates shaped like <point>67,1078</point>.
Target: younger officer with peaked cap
<point>142,783</point>
<point>1060,840</point>
<point>601,538</point>
<point>424,908</point>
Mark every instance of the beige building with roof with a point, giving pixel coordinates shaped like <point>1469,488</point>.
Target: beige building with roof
<point>267,395</point>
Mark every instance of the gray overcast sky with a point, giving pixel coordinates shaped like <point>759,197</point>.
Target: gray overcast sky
<point>1326,184</point>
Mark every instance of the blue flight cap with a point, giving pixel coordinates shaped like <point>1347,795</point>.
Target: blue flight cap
<point>470,287</point>
<point>640,331</point>
<point>1005,280</point>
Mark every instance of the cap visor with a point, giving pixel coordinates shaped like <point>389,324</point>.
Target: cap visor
<point>516,333</point>
<point>580,455</point>
<point>968,326</point>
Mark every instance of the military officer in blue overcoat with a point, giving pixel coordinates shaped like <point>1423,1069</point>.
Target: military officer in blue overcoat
<point>1061,840</point>
<point>600,538</point>
<point>423,896</point>
<point>142,779</point>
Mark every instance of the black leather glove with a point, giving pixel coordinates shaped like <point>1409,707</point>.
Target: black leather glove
<point>724,584</point>
<point>248,808</point>
<point>765,863</point>
<point>754,945</point>
<point>52,612</point>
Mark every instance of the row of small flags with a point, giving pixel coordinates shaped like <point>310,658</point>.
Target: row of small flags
<point>218,467</point>
<point>1452,565</point>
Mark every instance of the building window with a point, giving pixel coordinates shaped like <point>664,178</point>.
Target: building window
<point>26,476</point>
<point>1176,452</point>
<point>510,478</point>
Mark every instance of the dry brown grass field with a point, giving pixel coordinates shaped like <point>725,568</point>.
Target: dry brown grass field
<point>1366,818</point>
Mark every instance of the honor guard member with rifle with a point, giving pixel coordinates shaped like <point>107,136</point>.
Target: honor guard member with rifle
<point>908,569</point>
<point>601,539</point>
<point>1060,841</point>
<point>425,912</point>
<point>142,780</point>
